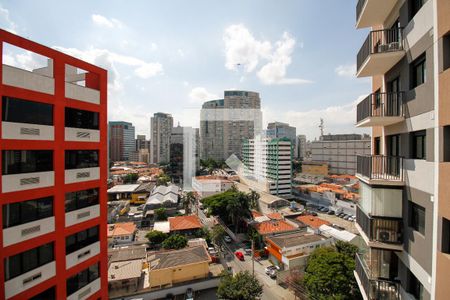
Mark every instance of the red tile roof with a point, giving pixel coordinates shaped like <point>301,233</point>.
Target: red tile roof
<point>275,216</point>
<point>311,221</point>
<point>119,229</point>
<point>256,214</point>
<point>273,226</point>
<point>184,223</point>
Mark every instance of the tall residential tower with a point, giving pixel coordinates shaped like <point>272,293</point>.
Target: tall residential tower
<point>160,130</point>
<point>121,140</point>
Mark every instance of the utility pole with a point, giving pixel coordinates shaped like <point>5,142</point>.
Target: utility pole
<point>253,257</point>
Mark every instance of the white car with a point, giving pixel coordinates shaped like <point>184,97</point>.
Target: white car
<point>227,239</point>
<point>269,269</point>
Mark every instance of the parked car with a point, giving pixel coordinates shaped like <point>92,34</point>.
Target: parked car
<point>141,207</point>
<point>331,212</point>
<point>337,227</point>
<point>314,214</point>
<point>347,217</point>
<point>269,269</point>
<point>273,274</point>
<point>239,255</point>
<point>340,215</point>
<point>227,239</point>
<point>248,251</point>
<point>189,294</point>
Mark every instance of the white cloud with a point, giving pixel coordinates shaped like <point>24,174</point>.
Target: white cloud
<point>337,119</point>
<point>181,53</point>
<point>6,22</point>
<point>200,94</point>
<point>346,70</point>
<point>102,21</point>
<point>242,49</point>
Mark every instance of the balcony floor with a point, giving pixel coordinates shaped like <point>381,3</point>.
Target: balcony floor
<point>376,244</point>
<point>372,181</point>
<point>379,63</point>
<point>379,121</point>
<point>375,12</point>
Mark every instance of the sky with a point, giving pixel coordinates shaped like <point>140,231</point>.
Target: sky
<point>171,56</point>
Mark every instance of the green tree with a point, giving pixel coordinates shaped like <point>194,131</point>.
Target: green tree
<point>217,234</point>
<point>253,198</point>
<point>163,179</point>
<point>241,286</point>
<point>175,241</point>
<point>130,178</point>
<point>329,275</point>
<point>347,249</point>
<point>188,200</point>
<point>156,237</point>
<point>160,214</point>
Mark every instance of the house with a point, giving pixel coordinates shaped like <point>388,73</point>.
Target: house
<point>136,193</point>
<point>312,222</point>
<point>289,250</point>
<point>209,185</point>
<point>163,196</point>
<point>125,276</point>
<point>273,226</point>
<point>167,268</point>
<point>121,233</point>
<point>186,225</point>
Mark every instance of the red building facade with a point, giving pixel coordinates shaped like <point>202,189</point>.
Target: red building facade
<point>53,154</point>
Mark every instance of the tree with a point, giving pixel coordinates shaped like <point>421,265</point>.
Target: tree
<point>130,178</point>
<point>347,249</point>
<point>175,241</point>
<point>162,179</point>
<point>188,200</point>
<point>217,234</point>
<point>156,237</point>
<point>253,198</point>
<point>160,214</point>
<point>241,286</point>
<point>329,274</point>
<point>204,233</point>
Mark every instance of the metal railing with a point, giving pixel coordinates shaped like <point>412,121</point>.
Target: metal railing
<point>384,230</point>
<point>359,7</point>
<point>376,289</point>
<point>380,41</point>
<point>380,167</point>
<point>380,105</point>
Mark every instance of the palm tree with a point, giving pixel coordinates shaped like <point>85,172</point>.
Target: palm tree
<point>253,197</point>
<point>191,199</point>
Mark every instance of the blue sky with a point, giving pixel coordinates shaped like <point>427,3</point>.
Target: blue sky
<point>170,56</point>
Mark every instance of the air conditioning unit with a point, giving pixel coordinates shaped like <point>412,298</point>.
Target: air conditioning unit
<point>383,236</point>
<point>394,46</point>
<point>383,48</point>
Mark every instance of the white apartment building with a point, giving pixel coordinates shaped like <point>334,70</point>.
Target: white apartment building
<point>160,128</point>
<point>206,186</point>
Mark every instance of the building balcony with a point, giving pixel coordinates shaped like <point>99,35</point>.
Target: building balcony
<point>375,288</point>
<point>380,109</point>
<point>82,215</point>
<point>380,52</point>
<point>380,232</point>
<point>82,254</point>
<point>29,279</point>
<point>23,232</point>
<point>373,12</point>
<point>380,170</point>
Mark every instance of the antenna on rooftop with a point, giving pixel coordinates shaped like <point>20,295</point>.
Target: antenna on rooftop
<point>321,126</point>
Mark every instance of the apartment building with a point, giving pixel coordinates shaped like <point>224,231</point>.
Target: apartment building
<point>53,149</point>
<point>269,163</point>
<point>121,141</point>
<point>160,127</point>
<point>300,147</point>
<point>404,214</point>
<point>339,151</point>
<point>226,123</point>
<point>281,130</point>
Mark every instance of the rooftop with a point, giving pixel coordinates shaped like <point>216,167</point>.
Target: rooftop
<point>184,223</point>
<point>294,239</point>
<point>127,253</point>
<point>213,177</point>
<point>163,226</point>
<point>123,188</point>
<point>275,216</point>
<point>174,258</point>
<point>119,229</point>
<point>124,270</point>
<point>273,226</point>
<point>311,221</point>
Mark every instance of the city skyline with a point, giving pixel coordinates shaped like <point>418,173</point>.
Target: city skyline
<point>149,71</point>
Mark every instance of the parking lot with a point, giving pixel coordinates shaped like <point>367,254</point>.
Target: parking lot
<point>348,225</point>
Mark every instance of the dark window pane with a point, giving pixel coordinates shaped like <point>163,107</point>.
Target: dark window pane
<point>49,294</point>
<point>29,211</point>
<point>45,207</point>
<point>419,144</point>
<point>72,285</point>
<point>30,260</point>
<point>23,111</point>
<point>418,71</point>
<point>13,266</point>
<point>83,278</point>
<point>26,161</point>
<point>417,217</point>
<point>93,272</point>
<point>45,254</point>
<point>11,215</point>
<point>71,244</point>
<point>81,199</point>
<point>77,159</point>
<point>81,118</point>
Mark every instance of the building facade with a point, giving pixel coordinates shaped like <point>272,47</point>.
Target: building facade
<point>300,147</point>
<point>281,130</point>
<point>161,127</point>
<point>404,214</point>
<point>226,123</point>
<point>53,149</point>
<point>339,151</point>
<point>121,141</point>
<point>269,162</point>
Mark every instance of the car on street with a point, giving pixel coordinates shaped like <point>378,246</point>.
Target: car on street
<point>269,269</point>
<point>239,255</point>
<point>273,274</point>
<point>227,239</point>
<point>325,210</point>
<point>248,251</point>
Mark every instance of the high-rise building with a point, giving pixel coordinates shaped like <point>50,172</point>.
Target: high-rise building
<point>276,130</point>
<point>268,164</point>
<point>184,148</point>
<point>121,141</point>
<point>160,127</point>
<point>339,151</point>
<point>226,123</point>
<point>53,146</point>
<point>141,142</point>
<point>300,147</point>
<point>403,214</point>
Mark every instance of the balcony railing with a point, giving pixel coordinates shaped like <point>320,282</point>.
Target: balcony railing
<point>376,289</point>
<point>380,167</point>
<point>359,7</point>
<point>383,230</point>
<point>380,41</point>
<point>380,105</point>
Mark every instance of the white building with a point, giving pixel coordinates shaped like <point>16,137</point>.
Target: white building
<point>210,185</point>
<point>161,127</point>
<point>269,162</point>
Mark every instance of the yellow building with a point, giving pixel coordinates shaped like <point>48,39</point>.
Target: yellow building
<point>175,266</point>
<point>315,168</point>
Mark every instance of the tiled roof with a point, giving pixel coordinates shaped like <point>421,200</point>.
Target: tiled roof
<point>184,223</point>
<point>174,258</point>
<point>124,270</point>
<point>119,229</point>
<point>273,226</point>
<point>275,216</point>
<point>311,221</point>
<point>256,214</point>
<point>127,253</point>
<point>294,239</point>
